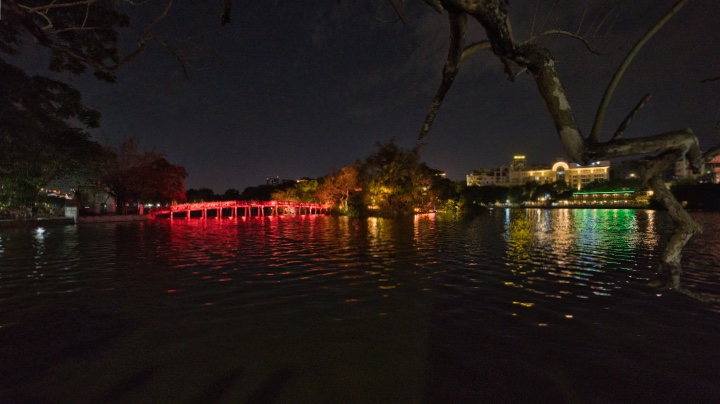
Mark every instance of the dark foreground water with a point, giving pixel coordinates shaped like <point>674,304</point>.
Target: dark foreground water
<point>512,306</point>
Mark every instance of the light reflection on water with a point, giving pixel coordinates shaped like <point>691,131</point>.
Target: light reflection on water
<point>512,305</point>
<point>574,249</point>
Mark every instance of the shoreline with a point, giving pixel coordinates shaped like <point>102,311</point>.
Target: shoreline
<point>64,221</point>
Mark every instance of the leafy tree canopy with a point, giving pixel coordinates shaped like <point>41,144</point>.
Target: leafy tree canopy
<point>134,175</point>
<point>78,34</point>
<point>200,195</point>
<point>38,143</point>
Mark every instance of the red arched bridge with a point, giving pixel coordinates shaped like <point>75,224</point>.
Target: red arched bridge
<point>233,209</point>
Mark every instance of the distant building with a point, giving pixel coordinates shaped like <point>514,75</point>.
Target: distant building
<point>94,200</point>
<point>518,163</point>
<point>275,181</point>
<point>711,171</point>
<point>609,199</point>
<point>492,176</point>
<point>575,175</point>
<point>519,173</point>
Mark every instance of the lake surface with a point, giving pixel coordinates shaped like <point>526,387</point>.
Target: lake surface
<point>510,306</point>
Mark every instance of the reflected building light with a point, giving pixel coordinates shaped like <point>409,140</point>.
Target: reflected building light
<point>373,227</point>
<point>40,234</point>
<point>651,221</point>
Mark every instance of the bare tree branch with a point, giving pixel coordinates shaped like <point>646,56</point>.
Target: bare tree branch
<point>621,130</point>
<point>668,147</point>
<point>566,33</point>
<point>47,37</point>
<point>57,31</point>
<point>474,48</point>
<point>397,6</point>
<point>49,6</point>
<point>683,142</point>
<point>610,90</point>
<point>458,25</point>
<point>225,16</point>
<point>160,17</point>
<point>378,19</point>
<point>436,4</point>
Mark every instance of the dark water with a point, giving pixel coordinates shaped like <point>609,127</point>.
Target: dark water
<point>514,306</point>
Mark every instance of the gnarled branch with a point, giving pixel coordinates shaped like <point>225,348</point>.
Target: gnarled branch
<point>580,38</point>
<point>474,48</point>
<point>668,147</point>
<point>105,65</point>
<point>624,125</point>
<point>610,90</point>
<point>458,25</point>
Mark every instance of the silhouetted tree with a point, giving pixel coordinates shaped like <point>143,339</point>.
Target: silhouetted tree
<point>39,142</point>
<point>78,34</point>
<point>699,196</point>
<point>132,175</point>
<point>42,121</point>
<point>201,195</point>
<point>231,194</point>
<point>550,192</point>
<point>263,192</point>
<point>632,184</point>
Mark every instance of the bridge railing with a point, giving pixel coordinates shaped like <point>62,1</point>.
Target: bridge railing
<point>212,205</point>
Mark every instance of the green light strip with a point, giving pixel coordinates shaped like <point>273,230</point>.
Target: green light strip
<point>602,192</point>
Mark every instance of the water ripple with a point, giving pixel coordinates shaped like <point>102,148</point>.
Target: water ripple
<point>315,295</point>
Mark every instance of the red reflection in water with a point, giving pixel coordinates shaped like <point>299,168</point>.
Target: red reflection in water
<point>257,246</point>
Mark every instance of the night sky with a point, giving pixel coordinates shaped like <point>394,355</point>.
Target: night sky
<point>295,88</point>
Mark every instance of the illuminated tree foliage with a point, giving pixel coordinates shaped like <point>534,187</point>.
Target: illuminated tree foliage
<point>337,187</point>
<point>302,191</point>
<point>391,181</point>
<point>395,181</point>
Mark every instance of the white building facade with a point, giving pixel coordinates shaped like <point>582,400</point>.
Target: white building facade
<point>519,173</point>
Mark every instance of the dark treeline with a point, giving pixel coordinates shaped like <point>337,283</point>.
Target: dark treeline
<point>390,181</point>
<point>697,196</point>
<point>126,173</point>
<point>255,193</point>
<point>462,198</point>
<point>394,181</point>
